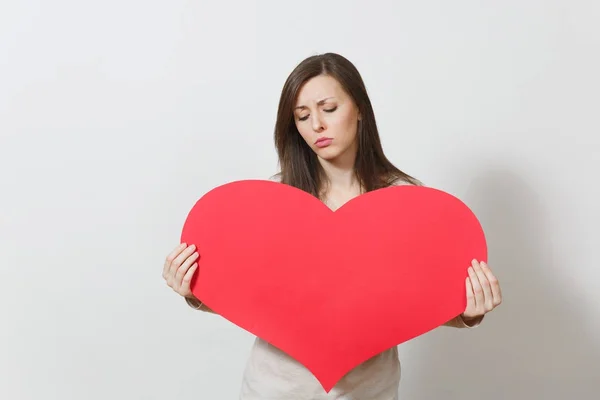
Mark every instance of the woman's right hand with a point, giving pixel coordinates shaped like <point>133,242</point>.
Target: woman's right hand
<point>179,268</point>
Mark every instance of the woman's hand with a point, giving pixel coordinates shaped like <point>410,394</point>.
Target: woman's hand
<point>179,268</point>
<point>483,291</point>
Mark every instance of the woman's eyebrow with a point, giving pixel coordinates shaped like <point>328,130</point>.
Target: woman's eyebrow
<point>321,102</point>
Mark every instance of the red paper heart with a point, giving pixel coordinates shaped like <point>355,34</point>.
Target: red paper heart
<point>333,289</point>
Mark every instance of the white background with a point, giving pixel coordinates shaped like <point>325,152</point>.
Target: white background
<point>116,116</point>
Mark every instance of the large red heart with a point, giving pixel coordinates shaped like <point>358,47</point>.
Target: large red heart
<point>333,289</point>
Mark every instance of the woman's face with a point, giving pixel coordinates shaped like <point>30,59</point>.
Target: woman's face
<point>327,118</point>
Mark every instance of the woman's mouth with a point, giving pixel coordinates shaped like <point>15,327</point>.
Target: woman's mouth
<point>323,142</point>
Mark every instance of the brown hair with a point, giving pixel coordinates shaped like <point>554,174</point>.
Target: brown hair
<point>299,165</point>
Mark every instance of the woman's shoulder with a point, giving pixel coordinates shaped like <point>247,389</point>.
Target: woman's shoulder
<point>401,182</point>
<point>405,181</point>
<point>275,178</point>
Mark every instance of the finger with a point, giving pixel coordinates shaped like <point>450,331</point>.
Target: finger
<point>494,284</point>
<point>470,297</point>
<point>172,257</point>
<point>477,290</point>
<point>488,298</point>
<point>180,259</point>
<point>187,279</point>
<point>183,269</point>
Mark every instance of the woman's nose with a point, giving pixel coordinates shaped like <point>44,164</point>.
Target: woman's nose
<point>318,124</point>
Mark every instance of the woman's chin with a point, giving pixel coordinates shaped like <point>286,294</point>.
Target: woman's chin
<point>327,154</point>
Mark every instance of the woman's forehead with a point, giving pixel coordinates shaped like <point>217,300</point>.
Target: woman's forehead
<point>319,89</point>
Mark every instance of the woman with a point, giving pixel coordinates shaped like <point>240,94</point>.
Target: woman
<point>328,145</point>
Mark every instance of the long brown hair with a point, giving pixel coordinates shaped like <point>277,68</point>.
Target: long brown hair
<point>299,164</point>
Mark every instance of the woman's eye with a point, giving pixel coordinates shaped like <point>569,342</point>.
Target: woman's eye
<point>326,110</point>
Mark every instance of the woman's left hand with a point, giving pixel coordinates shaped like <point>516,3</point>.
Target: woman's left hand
<point>483,291</point>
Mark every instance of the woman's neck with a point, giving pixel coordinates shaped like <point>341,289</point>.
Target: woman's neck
<point>339,177</point>
<point>340,171</point>
<point>342,184</point>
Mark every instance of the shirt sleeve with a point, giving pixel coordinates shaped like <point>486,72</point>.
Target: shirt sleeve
<point>459,322</point>
<point>196,304</point>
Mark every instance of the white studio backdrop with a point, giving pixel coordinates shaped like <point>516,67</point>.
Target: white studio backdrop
<point>116,116</point>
